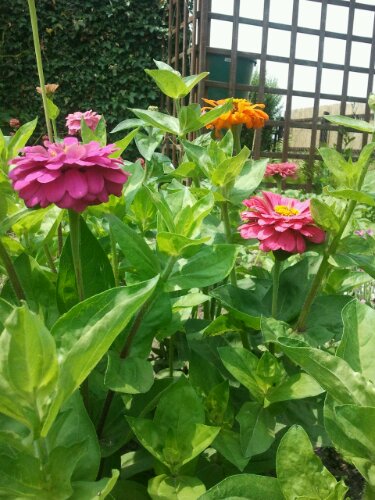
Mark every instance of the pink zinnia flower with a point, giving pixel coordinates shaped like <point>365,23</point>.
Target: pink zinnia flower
<point>279,223</point>
<point>73,121</point>
<point>282,169</point>
<point>69,174</point>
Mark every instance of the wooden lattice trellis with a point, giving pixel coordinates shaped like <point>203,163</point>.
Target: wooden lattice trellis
<point>188,50</point>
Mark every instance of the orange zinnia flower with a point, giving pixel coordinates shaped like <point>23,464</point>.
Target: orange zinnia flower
<point>242,112</point>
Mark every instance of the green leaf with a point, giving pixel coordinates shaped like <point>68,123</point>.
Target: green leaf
<point>192,80</point>
<point>8,222</point>
<point>300,472</point>
<point>229,169</point>
<point>162,207</point>
<point>130,376</point>
<point>135,249</point>
<point>28,368</point>
<point>165,66</point>
<point>98,489</point>
<point>85,333</point>
<point>166,123</point>
<point>345,173</point>
<point>223,324</point>
<point>257,429</point>
<point>358,342</point>
<point>228,444</point>
<point>324,216</point>
<point>126,124</point>
<point>20,138</point>
<point>298,386</point>
<point>53,110</point>
<point>365,262</point>
<point>174,244</point>
<point>346,121</point>
<point>97,272</point>
<point>331,372</point>
<point>210,265</point>
<point>242,364</point>
<point>188,221</point>
<point>168,82</point>
<point>165,487</point>
<point>349,194</point>
<point>248,180</point>
<point>211,115</point>
<point>123,143</point>
<point>147,144</point>
<point>21,476</point>
<point>245,487</point>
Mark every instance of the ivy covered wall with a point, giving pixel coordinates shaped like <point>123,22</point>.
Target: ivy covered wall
<point>94,49</point>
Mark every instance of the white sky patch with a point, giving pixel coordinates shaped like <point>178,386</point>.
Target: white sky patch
<point>250,39</point>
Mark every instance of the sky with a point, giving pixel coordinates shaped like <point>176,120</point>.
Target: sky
<point>307,45</point>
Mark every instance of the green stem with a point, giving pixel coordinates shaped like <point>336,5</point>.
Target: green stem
<point>114,258</point>
<point>75,241</point>
<point>11,272</point>
<point>330,250</point>
<point>55,136</point>
<point>171,355</point>
<point>279,184</point>
<point>39,64</point>
<point>275,286</point>
<point>49,258</point>
<point>236,130</point>
<point>228,234</point>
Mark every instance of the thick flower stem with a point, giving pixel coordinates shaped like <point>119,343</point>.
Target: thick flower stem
<point>279,184</point>
<point>236,130</point>
<point>12,274</point>
<point>275,286</point>
<point>331,250</point>
<point>38,55</point>
<point>228,234</point>
<point>75,241</point>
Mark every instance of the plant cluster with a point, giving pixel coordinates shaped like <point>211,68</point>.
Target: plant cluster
<point>174,332</point>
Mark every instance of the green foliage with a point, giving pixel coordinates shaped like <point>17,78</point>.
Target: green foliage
<point>95,52</point>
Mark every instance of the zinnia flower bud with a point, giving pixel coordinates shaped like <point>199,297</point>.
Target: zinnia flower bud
<point>73,121</point>
<point>50,89</point>
<point>279,223</point>
<point>68,174</point>
<point>14,123</point>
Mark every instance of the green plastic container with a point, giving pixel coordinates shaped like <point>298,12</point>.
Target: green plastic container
<point>219,67</point>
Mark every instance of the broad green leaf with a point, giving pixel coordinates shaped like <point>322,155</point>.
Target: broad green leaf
<point>165,487</point>
<point>123,143</point>
<point>20,138</point>
<point>210,265</point>
<point>245,487</point>
<point>192,80</point>
<point>126,124</point>
<point>298,386</point>
<point>168,82</point>
<point>97,272</point>
<point>348,194</point>
<point>189,118</point>
<point>130,376</point>
<point>324,216</point>
<point>6,310</point>
<point>174,244</point>
<point>21,477</point>
<point>85,333</point>
<point>134,183</point>
<point>257,429</point>
<point>358,342</point>
<point>348,122</point>
<point>87,134</point>
<point>53,110</point>
<point>98,489</point>
<point>229,169</point>
<point>223,324</point>
<point>199,156</point>
<point>72,426</point>
<point>331,372</point>
<point>228,444</point>
<point>164,122</point>
<point>242,364</point>
<point>190,218</point>
<point>162,207</point>
<point>163,65</point>
<point>135,249</point>
<point>300,472</point>
<point>214,113</point>
<point>28,368</point>
<point>248,180</point>
<point>365,262</point>
<point>147,143</point>
<point>345,172</point>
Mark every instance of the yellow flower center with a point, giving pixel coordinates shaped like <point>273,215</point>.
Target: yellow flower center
<point>284,210</point>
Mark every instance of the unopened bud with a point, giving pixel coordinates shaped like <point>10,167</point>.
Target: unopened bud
<point>50,89</point>
<point>14,123</point>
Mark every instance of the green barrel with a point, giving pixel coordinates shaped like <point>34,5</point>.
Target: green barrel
<point>219,68</point>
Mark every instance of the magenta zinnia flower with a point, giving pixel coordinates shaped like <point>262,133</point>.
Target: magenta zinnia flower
<point>281,169</point>
<point>73,121</point>
<point>279,223</point>
<point>69,174</point>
